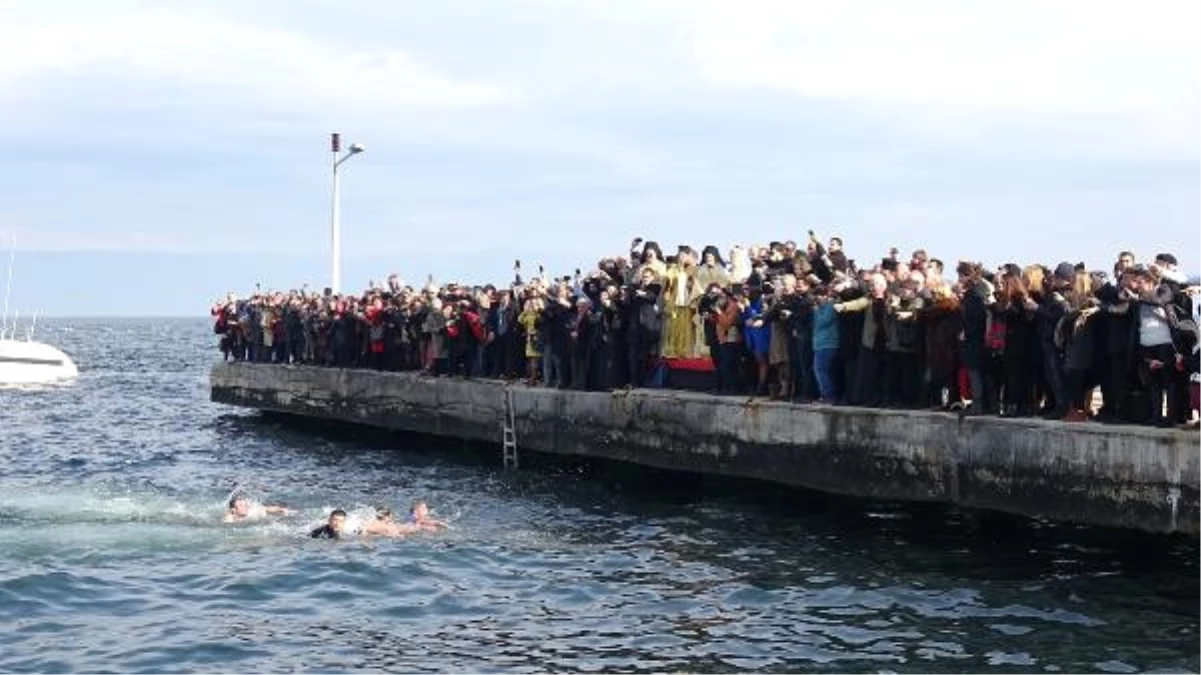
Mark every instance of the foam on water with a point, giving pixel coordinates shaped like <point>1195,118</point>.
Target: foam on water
<point>44,520</point>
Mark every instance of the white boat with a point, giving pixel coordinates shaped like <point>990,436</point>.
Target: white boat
<point>26,361</point>
<point>29,362</point>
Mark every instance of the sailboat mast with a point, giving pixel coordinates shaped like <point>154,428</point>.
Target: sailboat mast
<point>8,287</point>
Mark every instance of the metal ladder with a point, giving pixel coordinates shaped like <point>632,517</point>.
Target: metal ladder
<point>509,437</point>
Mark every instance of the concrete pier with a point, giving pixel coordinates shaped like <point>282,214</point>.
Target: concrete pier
<point>1120,476</point>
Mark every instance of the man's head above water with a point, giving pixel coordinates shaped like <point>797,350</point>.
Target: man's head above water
<point>242,507</point>
<point>239,505</point>
<point>337,520</point>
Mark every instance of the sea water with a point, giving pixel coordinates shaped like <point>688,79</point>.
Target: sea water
<point>113,555</point>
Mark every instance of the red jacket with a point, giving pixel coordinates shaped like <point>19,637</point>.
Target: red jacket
<point>477,326</point>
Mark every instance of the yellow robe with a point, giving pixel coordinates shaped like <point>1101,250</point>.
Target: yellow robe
<point>681,292</point>
<point>658,267</point>
<point>529,319</point>
<point>706,276</point>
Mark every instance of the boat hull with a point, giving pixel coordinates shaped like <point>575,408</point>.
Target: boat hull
<point>28,362</point>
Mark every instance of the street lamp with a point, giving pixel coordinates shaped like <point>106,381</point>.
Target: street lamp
<point>335,144</point>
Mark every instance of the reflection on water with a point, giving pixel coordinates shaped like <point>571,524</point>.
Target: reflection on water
<point>114,557</point>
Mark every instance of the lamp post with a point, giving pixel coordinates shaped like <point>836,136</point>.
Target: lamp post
<point>335,227</point>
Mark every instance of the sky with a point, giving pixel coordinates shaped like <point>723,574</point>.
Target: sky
<point>160,153</point>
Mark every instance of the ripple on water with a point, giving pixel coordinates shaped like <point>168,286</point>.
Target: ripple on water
<point>114,558</point>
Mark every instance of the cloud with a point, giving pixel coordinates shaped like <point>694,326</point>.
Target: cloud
<point>570,127</point>
<point>213,50</point>
<point>1049,57</point>
<point>965,59</point>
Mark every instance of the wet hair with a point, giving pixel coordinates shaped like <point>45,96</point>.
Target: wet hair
<point>234,499</point>
<point>383,513</point>
<point>337,512</point>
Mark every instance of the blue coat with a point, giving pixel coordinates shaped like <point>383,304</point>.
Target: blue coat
<point>825,327</point>
<point>758,340</point>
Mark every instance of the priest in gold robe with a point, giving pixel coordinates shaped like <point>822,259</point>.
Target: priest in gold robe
<point>681,294</point>
<point>710,271</point>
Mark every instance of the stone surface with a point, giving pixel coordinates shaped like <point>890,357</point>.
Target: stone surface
<point>1121,476</point>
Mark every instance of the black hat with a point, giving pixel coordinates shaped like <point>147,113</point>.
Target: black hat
<point>1166,258</point>
<point>651,246</point>
<point>711,249</point>
<point>1065,270</point>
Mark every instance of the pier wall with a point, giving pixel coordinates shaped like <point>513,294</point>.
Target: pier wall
<point>1121,476</point>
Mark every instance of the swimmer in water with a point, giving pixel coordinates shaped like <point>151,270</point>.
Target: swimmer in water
<point>419,516</point>
<point>332,529</point>
<point>241,508</point>
<point>385,525</point>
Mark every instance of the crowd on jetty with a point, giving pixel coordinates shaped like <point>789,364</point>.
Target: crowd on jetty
<point>801,323</point>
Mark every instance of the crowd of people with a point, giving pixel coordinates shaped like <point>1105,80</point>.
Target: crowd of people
<point>801,323</point>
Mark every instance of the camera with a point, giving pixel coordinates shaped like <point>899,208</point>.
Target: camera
<point>710,302</point>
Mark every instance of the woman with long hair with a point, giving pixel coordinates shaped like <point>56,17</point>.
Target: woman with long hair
<point>1019,359</point>
<point>1075,334</point>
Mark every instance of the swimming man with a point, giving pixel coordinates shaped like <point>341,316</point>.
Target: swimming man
<point>385,525</point>
<point>332,529</point>
<point>241,508</point>
<point>419,516</point>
